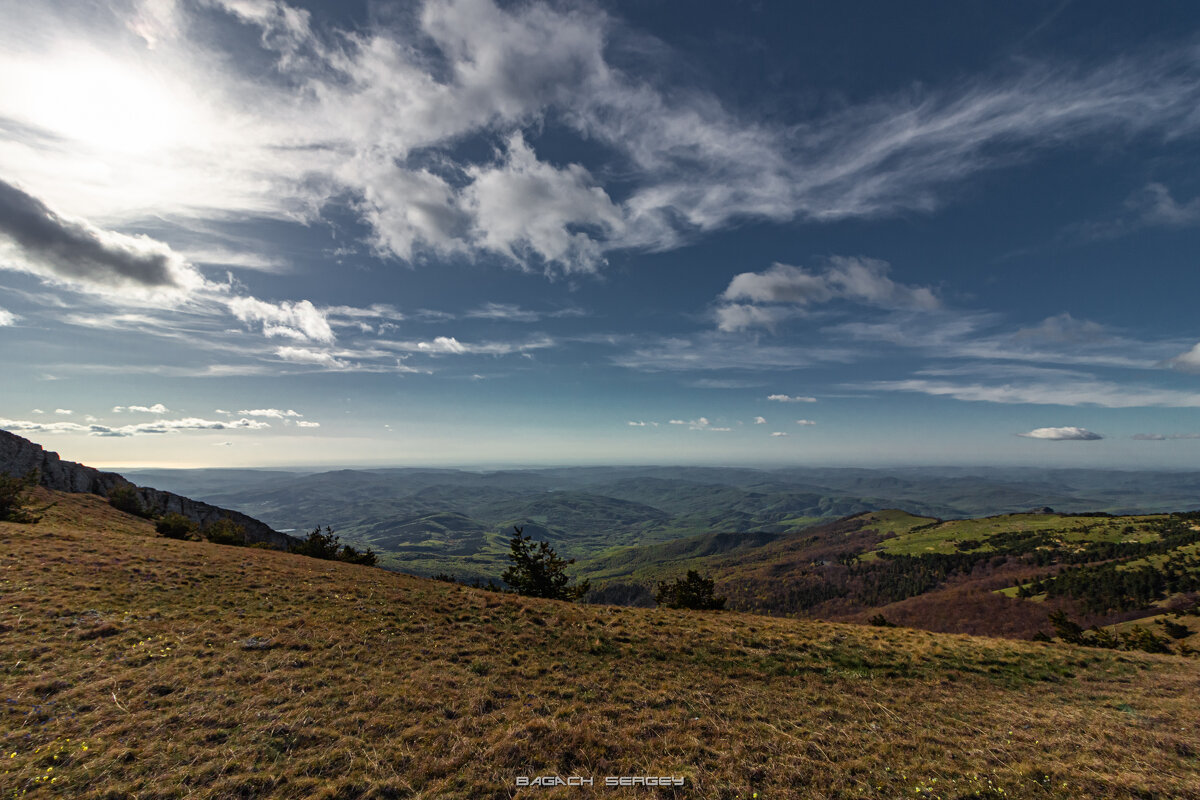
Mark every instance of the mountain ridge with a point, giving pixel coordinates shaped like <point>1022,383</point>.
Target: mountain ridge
<point>19,456</point>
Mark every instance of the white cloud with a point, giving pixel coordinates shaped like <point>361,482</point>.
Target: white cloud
<point>143,428</point>
<point>301,355</point>
<point>450,345</point>
<point>1162,437</point>
<point>442,345</point>
<point>1067,392</point>
<point>1155,206</point>
<point>376,113</point>
<point>7,318</point>
<point>739,316</point>
<point>302,423</point>
<point>273,413</point>
<point>524,207</point>
<point>37,411</point>
<point>805,422</point>
<point>760,420</point>
<point>1062,434</point>
<point>509,312</point>
<point>784,291</point>
<point>301,320</point>
<point>778,433</point>
<point>787,398</point>
<point>66,412</point>
<point>1188,361</point>
<point>633,424</point>
<point>1060,339</point>
<point>157,408</point>
<point>711,351</point>
<point>699,424</point>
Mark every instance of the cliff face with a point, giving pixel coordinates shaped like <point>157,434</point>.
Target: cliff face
<point>20,456</point>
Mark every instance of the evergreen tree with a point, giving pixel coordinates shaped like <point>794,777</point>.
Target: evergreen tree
<point>693,591</point>
<point>14,496</point>
<point>538,571</point>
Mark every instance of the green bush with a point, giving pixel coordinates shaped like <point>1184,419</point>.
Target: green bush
<point>318,544</point>
<point>1176,630</point>
<point>538,571</point>
<point>176,526</point>
<point>226,531</point>
<point>353,556</point>
<point>15,495</point>
<point>693,591</point>
<point>125,498</point>
<point>327,545</point>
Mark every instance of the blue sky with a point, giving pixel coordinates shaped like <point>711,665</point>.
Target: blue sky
<point>254,232</point>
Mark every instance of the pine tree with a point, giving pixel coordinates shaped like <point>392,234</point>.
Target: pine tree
<point>538,571</point>
<point>693,591</point>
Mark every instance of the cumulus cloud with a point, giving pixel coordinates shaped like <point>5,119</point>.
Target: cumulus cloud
<point>1187,361</point>
<point>805,422</point>
<point>760,420</point>
<point>783,291</point>
<point>778,433</point>
<point>1068,434</point>
<point>301,320</point>
<point>7,318</point>
<point>442,344</point>
<point>738,316</point>
<point>640,424</point>
<point>157,408</point>
<point>303,423</point>
<point>35,238</point>
<point>523,206</point>
<point>787,398</point>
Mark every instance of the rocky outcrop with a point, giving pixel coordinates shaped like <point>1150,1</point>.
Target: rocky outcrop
<point>20,456</point>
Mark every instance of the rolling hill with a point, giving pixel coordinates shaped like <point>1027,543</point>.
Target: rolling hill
<point>590,512</point>
<point>999,575</point>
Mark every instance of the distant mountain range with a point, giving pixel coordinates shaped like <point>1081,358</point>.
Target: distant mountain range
<point>832,544</point>
<point>429,521</point>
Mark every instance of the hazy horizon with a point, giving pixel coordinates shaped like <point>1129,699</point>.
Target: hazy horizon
<point>280,232</point>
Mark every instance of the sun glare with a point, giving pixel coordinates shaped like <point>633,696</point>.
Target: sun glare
<point>95,99</point>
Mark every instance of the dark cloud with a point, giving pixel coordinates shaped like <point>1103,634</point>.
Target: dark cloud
<point>72,249</point>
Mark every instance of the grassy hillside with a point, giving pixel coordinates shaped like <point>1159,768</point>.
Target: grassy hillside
<point>135,666</point>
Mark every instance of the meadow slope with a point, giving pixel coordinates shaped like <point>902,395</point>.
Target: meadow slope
<point>135,666</point>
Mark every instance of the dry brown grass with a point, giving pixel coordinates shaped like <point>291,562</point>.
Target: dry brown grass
<point>143,667</point>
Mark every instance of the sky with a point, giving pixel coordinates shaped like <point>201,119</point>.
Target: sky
<point>467,232</point>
